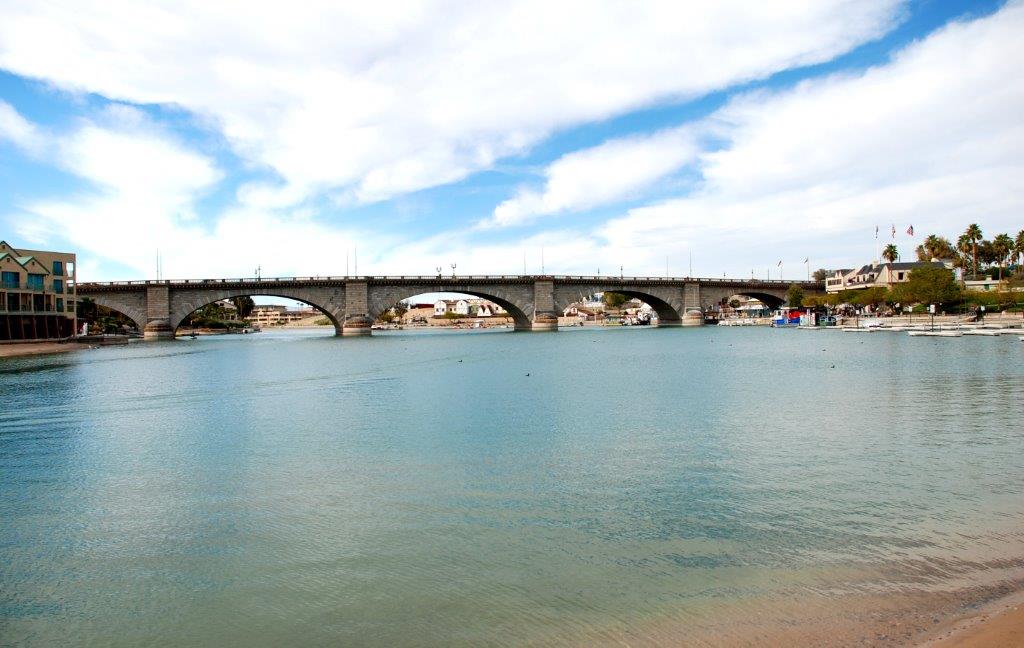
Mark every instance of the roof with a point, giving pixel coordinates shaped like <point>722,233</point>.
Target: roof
<point>26,260</point>
<point>910,265</point>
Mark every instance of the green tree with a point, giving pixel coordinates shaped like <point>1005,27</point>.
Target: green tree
<point>400,309</point>
<point>987,255</point>
<point>1018,247</point>
<point>821,274</point>
<point>243,305</point>
<point>935,247</point>
<point>931,285</point>
<point>86,309</point>
<point>614,299</point>
<point>891,253</point>
<point>1002,246</point>
<point>973,234</point>
<point>869,296</point>
<point>795,296</point>
<point>963,257</point>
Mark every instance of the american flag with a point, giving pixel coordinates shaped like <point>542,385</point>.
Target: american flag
<point>910,230</point>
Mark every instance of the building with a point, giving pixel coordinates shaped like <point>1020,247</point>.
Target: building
<point>467,307</point>
<point>37,294</point>
<point>875,275</point>
<point>278,315</point>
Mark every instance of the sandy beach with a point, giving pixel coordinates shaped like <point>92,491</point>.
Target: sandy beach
<point>39,348</point>
<point>999,624</point>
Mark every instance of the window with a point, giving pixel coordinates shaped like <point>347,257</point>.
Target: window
<point>35,281</point>
<point>58,286</point>
<point>60,305</point>
<point>58,268</point>
<point>10,279</point>
<point>900,276</point>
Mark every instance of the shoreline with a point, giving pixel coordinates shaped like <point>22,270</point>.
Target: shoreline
<point>995,623</point>
<point>978,616</point>
<point>24,349</point>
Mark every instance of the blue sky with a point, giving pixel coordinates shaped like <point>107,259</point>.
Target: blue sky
<point>735,134</point>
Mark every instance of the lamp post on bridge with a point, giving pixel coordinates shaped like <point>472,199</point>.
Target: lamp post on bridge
<point>453,271</point>
<point>438,268</point>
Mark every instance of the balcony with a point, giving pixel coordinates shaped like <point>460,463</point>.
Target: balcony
<point>24,287</point>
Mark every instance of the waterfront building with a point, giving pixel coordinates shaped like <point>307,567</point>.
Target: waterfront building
<point>467,307</point>
<point>875,275</point>
<point>37,294</point>
<point>278,315</point>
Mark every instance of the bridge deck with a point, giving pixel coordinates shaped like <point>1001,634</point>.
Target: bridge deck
<point>254,282</point>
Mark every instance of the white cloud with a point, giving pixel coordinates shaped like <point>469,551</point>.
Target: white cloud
<point>599,175</point>
<point>933,138</point>
<point>381,99</point>
<point>143,198</point>
<point>16,130</point>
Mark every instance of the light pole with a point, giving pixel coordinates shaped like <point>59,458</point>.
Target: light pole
<point>438,268</point>
<point>453,271</point>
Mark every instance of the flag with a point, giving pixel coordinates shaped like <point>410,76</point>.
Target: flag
<point>910,230</point>
<point>894,230</point>
<point>780,263</point>
<point>876,231</point>
<point>807,260</point>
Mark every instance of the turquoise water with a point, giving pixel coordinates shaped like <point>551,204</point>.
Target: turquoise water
<point>496,488</point>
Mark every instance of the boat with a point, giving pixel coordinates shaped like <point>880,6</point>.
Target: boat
<point>936,333</point>
<point>786,318</point>
<point>988,332</point>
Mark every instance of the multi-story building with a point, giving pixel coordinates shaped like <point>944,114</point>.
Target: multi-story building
<point>37,294</point>
<point>875,275</point>
<point>278,315</point>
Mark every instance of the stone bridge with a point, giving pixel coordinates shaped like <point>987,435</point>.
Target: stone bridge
<point>353,303</point>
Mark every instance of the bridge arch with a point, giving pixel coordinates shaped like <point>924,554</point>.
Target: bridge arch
<point>384,298</point>
<point>135,313</point>
<point>772,302</point>
<point>667,314</point>
<point>185,303</point>
<point>666,302</point>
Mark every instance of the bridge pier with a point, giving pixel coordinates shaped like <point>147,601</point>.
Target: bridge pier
<point>158,314</point>
<point>357,305</point>
<point>693,310</point>
<point>545,316</point>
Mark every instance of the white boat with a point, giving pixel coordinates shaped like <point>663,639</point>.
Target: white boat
<point>935,333</point>
<point>988,332</point>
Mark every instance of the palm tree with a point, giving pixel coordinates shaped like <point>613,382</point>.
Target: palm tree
<point>890,253</point>
<point>963,247</point>
<point>1002,245</point>
<point>1018,246</point>
<point>973,234</point>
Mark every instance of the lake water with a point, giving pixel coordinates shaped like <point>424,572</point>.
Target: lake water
<point>489,488</point>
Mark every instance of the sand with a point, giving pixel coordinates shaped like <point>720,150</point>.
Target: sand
<point>38,348</point>
<point>997,625</point>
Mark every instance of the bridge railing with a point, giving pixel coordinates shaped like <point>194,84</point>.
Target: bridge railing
<point>446,278</point>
